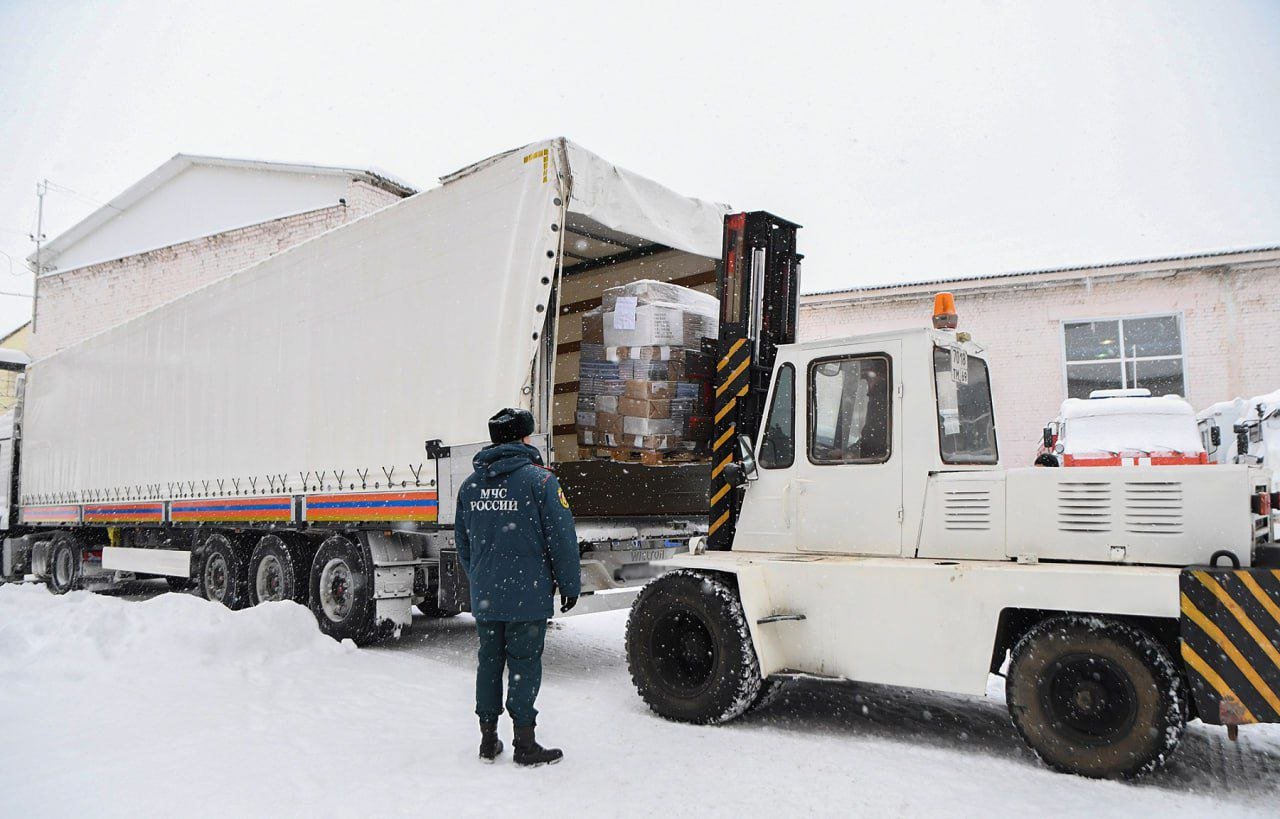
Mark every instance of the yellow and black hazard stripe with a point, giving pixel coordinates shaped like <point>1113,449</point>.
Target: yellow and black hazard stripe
<point>1230,622</point>
<point>732,381</point>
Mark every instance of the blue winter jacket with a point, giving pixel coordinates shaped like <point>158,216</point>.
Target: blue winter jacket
<point>515,536</point>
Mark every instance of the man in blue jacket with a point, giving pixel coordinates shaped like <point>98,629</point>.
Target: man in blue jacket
<point>517,544</point>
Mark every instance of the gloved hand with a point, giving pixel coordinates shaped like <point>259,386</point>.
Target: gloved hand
<point>567,603</point>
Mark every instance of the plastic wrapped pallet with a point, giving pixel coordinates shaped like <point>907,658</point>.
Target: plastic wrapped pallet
<point>644,382</point>
<point>648,291</point>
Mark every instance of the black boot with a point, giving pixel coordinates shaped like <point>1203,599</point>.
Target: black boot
<point>529,752</point>
<point>490,745</point>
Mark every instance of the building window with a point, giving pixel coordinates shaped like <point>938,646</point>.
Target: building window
<point>1124,353</point>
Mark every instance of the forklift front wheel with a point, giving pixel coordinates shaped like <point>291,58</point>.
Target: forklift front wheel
<point>689,649</point>
<point>1096,697</point>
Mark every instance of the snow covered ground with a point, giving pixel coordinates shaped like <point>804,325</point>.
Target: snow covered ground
<point>167,704</point>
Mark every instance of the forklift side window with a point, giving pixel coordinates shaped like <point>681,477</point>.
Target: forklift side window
<point>966,422</point>
<point>849,410</point>
<point>778,450</point>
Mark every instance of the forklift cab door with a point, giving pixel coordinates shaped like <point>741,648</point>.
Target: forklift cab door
<point>829,456</point>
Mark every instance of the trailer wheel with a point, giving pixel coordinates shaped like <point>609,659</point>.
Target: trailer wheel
<point>1095,697</point>
<point>222,573</point>
<point>65,564</point>
<point>341,591</point>
<point>273,574</point>
<point>689,649</point>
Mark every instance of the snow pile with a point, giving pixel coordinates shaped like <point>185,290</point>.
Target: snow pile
<point>172,705</point>
<point>178,630</point>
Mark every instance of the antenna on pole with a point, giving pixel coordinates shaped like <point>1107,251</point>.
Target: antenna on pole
<point>42,187</point>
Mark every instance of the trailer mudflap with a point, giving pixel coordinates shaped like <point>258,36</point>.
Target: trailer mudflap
<point>1230,622</point>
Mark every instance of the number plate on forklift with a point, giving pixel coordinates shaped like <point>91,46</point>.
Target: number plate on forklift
<point>648,555</point>
<point>959,366</point>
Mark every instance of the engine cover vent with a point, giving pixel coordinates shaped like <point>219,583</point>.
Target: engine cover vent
<point>1084,506</point>
<point>1153,507</point>
<point>966,510</point>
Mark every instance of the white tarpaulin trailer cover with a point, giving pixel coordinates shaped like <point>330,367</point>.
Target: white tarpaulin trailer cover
<point>344,353</point>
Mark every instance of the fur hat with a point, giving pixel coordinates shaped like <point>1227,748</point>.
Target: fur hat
<point>510,424</point>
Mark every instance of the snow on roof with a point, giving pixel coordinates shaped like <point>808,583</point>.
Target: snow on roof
<point>8,356</point>
<point>181,162</point>
<point>1083,269</point>
<point>1125,405</point>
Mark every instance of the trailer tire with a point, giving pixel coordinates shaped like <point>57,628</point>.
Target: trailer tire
<point>689,649</point>
<point>274,574</point>
<point>222,573</point>
<point>65,564</point>
<point>1096,697</point>
<point>340,591</point>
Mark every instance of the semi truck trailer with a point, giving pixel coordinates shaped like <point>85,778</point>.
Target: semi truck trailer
<point>879,539</point>
<point>299,429</point>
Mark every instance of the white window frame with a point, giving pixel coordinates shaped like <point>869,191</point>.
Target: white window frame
<point>1123,359</point>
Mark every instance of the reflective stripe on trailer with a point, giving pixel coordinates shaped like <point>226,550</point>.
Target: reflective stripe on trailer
<point>372,506</point>
<point>49,514</point>
<point>274,508</point>
<point>124,512</point>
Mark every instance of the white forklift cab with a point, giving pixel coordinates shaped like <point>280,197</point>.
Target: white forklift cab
<point>880,540</point>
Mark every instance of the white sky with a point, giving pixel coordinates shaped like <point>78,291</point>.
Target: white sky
<point>912,140</point>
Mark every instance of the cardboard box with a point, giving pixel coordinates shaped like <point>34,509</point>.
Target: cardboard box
<point>609,422</point>
<point>679,408</point>
<point>655,443</point>
<point>649,390</point>
<point>587,436</point>
<point>606,403</point>
<point>648,426</point>
<point>585,419</point>
<point>658,324</point>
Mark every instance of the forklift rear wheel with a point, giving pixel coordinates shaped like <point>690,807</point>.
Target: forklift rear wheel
<point>689,649</point>
<point>64,565</point>
<point>1095,697</point>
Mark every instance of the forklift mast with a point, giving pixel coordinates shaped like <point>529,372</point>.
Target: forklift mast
<point>759,284</point>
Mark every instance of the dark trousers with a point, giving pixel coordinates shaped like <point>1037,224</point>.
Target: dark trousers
<point>518,647</point>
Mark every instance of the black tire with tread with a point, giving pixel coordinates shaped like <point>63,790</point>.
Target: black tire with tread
<point>731,685</point>
<point>295,573</point>
<point>360,625</point>
<point>236,594</point>
<point>1152,723</point>
<point>65,542</point>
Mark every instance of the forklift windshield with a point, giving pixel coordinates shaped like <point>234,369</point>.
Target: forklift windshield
<point>966,421</point>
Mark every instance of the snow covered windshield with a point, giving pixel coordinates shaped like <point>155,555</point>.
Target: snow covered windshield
<point>966,422</point>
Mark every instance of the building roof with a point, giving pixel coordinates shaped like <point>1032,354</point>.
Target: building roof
<point>182,162</point>
<point>1079,269</point>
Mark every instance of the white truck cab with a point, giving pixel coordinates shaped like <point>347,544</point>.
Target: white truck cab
<point>880,540</point>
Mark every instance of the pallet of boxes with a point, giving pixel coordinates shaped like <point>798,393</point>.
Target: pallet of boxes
<point>644,384</point>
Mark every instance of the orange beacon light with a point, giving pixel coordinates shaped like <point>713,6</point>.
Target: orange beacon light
<point>944,312</point>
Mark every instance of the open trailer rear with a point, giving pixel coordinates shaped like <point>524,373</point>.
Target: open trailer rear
<point>298,429</point>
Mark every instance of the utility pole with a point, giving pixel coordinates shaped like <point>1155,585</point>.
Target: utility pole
<point>42,187</point>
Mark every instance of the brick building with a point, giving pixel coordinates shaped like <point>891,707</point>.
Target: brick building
<point>191,221</point>
<point>1206,327</point>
